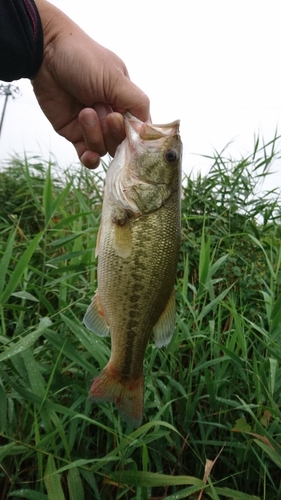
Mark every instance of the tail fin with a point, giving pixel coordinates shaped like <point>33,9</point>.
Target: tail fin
<point>126,394</point>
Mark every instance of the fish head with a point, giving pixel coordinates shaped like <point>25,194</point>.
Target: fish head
<point>154,151</point>
<point>146,168</point>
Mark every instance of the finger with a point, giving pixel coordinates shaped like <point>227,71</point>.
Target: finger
<point>126,96</point>
<point>142,109</point>
<point>116,127</point>
<point>90,125</point>
<point>112,126</point>
<point>90,159</point>
<point>114,133</point>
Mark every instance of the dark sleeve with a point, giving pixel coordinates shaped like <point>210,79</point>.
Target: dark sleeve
<point>21,39</point>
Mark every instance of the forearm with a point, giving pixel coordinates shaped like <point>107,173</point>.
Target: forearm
<point>21,39</point>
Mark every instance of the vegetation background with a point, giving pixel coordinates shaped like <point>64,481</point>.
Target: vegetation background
<point>212,423</point>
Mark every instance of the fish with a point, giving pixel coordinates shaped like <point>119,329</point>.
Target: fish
<point>137,248</point>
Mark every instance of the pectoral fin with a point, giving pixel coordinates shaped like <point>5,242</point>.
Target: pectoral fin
<point>164,328</point>
<point>94,318</point>
<point>123,240</point>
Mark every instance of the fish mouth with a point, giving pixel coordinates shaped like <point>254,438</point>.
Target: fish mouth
<point>149,131</point>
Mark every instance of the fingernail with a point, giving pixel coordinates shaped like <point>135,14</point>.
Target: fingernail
<point>89,120</point>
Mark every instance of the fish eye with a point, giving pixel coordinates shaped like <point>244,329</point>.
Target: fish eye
<point>171,155</point>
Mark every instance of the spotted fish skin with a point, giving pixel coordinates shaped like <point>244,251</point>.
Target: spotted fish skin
<point>138,247</point>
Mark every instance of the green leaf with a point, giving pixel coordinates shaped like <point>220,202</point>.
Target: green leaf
<point>6,258</point>
<point>52,481</point>
<point>204,263</point>
<point>214,267</point>
<point>25,342</point>
<point>211,305</point>
<point>269,265</point>
<point>11,449</point>
<point>185,493</point>
<point>241,425</point>
<point>29,494</point>
<point>3,410</point>
<point>68,220</point>
<point>91,480</point>
<point>25,296</point>
<point>233,495</point>
<point>274,455</point>
<point>50,206</point>
<point>153,479</point>
<point>60,242</point>
<point>19,269</point>
<point>36,381</point>
<point>75,486</point>
<point>61,344</point>
<point>91,342</point>
<point>276,315</point>
<point>47,196</point>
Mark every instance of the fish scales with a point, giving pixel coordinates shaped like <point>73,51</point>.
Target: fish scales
<point>138,247</point>
<point>140,302</point>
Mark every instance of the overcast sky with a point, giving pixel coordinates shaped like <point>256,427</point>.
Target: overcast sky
<point>214,64</point>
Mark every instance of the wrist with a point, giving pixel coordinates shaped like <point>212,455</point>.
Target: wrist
<point>53,20</point>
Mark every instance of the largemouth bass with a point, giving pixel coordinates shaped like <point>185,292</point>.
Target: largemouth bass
<point>137,247</point>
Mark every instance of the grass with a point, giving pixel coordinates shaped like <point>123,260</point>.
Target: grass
<point>212,423</point>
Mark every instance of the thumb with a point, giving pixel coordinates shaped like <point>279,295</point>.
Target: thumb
<point>129,97</point>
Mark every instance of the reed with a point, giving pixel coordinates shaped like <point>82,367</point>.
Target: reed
<point>212,422</point>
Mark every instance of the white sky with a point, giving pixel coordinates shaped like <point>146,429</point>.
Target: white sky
<point>214,64</point>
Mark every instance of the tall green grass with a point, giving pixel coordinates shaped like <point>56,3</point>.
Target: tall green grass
<point>212,425</point>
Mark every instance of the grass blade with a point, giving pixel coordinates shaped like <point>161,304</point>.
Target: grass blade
<point>75,486</point>
<point>19,269</point>
<point>6,258</point>
<point>52,481</point>
<point>25,342</point>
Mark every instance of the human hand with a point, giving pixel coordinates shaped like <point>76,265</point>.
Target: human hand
<point>83,88</point>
